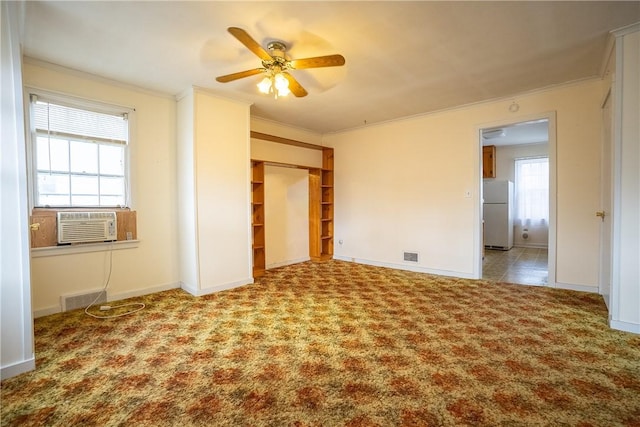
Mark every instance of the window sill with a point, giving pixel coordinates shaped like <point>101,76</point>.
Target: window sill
<point>83,248</point>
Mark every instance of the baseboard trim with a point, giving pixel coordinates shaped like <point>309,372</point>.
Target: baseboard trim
<point>111,297</point>
<point>290,262</point>
<point>47,311</point>
<point>406,267</point>
<point>213,289</point>
<point>141,292</point>
<point>531,245</point>
<point>571,287</point>
<point>634,328</point>
<point>17,368</point>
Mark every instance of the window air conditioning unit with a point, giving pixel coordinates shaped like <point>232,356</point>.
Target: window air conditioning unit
<point>84,227</point>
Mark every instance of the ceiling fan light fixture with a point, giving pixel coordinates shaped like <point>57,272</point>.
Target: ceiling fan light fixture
<point>265,85</point>
<point>275,83</point>
<point>284,91</point>
<point>275,64</point>
<point>281,82</point>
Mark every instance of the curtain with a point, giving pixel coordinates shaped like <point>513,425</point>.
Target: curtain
<point>532,191</point>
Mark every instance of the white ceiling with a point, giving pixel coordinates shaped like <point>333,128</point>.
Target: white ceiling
<point>532,132</point>
<point>402,58</point>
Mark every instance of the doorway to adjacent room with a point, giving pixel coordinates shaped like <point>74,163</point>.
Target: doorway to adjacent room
<point>522,250</point>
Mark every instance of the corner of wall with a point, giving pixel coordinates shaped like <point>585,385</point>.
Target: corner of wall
<point>17,350</point>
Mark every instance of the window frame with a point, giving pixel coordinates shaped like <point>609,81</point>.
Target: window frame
<point>84,104</point>
<point>530,159</point>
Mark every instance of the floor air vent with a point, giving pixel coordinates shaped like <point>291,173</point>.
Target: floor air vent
<point>411,256</point>
<point>72,302</point>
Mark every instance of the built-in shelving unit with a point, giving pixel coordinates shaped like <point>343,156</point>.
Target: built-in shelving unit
<point>257,217</point>
<point>321,209</point>
<point>321,206</point>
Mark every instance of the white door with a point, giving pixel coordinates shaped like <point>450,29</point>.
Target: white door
<point>605,191</point>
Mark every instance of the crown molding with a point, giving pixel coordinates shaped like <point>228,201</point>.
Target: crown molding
<point>94,77</point>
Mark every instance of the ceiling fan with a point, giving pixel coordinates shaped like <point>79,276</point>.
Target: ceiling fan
<point>276,66</point>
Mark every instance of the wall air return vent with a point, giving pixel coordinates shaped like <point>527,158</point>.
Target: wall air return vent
<point>74,301</point>
<point>85,227</point>
<point>411,256</point>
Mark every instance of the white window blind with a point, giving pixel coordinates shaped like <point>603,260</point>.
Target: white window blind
<point>532,190</point>
<point>79,155</point>
<point>55,119</point>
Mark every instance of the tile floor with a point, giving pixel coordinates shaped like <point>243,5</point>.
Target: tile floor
<point>518,265</point>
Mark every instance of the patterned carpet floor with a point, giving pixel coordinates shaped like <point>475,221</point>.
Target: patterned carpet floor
<point>336,344</point>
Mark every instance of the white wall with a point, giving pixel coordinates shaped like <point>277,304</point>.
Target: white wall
<point>285,131</point>
<point>506,156</point>
<point>286,215</point>
<point>213,186</point>
<point>505,170</point>
<point>401,185</point>
<point>187,229</point>
<point>153,265</point>
<point>222,180</point>
<point>16,338</point>
<point>625,290</point>
<point>282,153</point>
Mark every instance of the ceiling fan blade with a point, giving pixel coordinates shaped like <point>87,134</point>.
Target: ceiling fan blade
<point>244,38</point>
<point>235,76</point>
<point>294,86</point>
<point>317,62</point>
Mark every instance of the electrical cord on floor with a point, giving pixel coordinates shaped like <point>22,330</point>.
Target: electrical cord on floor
<point>139,305</point>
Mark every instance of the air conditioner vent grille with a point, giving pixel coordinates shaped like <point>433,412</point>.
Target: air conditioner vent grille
<point>78,216</point>
<point>84,227</point>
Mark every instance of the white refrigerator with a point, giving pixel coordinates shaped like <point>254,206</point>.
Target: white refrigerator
<point>497,214</point>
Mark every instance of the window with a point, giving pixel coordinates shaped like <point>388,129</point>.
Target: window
<point>79,155</point>
<point>532,190</point>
